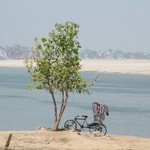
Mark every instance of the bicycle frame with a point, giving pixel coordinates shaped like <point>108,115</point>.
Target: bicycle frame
<point>84,123</point>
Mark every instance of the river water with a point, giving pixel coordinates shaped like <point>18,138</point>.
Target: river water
<point>127,96</point>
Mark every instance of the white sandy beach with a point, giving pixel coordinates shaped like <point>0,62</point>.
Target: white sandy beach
<point>115,66</point>
<point>12,63</point>
<point>69,140</point>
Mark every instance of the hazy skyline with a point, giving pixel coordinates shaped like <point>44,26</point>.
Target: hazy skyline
<point>104,24</point>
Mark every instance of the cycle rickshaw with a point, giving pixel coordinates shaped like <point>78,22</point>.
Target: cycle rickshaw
<point>97,125</point>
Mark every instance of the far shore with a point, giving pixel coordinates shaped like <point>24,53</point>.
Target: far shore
<point>69,140</point>
<point>105,65</point>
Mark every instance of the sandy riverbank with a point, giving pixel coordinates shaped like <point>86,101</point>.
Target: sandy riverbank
<point>69,140</point>
<point>115,66</point>
<point>12,63</point>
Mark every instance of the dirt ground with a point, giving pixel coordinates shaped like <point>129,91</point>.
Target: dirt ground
<point>69,140</point>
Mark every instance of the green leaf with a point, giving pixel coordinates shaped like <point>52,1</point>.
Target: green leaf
<point>43,40</point>
<point>36,39</point>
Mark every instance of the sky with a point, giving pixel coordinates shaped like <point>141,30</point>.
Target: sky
<point>104,24</point>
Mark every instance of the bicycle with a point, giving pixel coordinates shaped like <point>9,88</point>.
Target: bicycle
<point>93,127</point>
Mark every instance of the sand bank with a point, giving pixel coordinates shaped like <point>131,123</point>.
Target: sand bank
<point>12,63</point>
<point>69,140</point>
<point>117,66</point>
<point>110,66</point>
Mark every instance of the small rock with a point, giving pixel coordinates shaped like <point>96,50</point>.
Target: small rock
<point>41,129</point>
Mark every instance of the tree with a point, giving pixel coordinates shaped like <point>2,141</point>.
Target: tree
<point>55,66</point>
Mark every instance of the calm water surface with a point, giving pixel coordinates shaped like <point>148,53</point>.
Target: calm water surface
<point>127,96</point>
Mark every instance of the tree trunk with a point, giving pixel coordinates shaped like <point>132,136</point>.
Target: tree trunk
<point>55,113</point>
<point>62,109</point>
<point>57,120</point>
<point>56,124</point>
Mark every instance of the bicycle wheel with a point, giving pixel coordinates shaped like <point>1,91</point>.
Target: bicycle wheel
<point>70,124</point>
<point>94,127</point>
<point>102,129</point>
<point>98,127</point>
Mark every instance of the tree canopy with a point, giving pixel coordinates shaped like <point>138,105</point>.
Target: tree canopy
<point>55,65</point>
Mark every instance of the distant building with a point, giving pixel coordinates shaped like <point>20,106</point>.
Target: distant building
<point>3,55</point>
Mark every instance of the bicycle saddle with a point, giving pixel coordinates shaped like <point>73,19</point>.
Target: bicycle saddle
<point>84,116</point>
